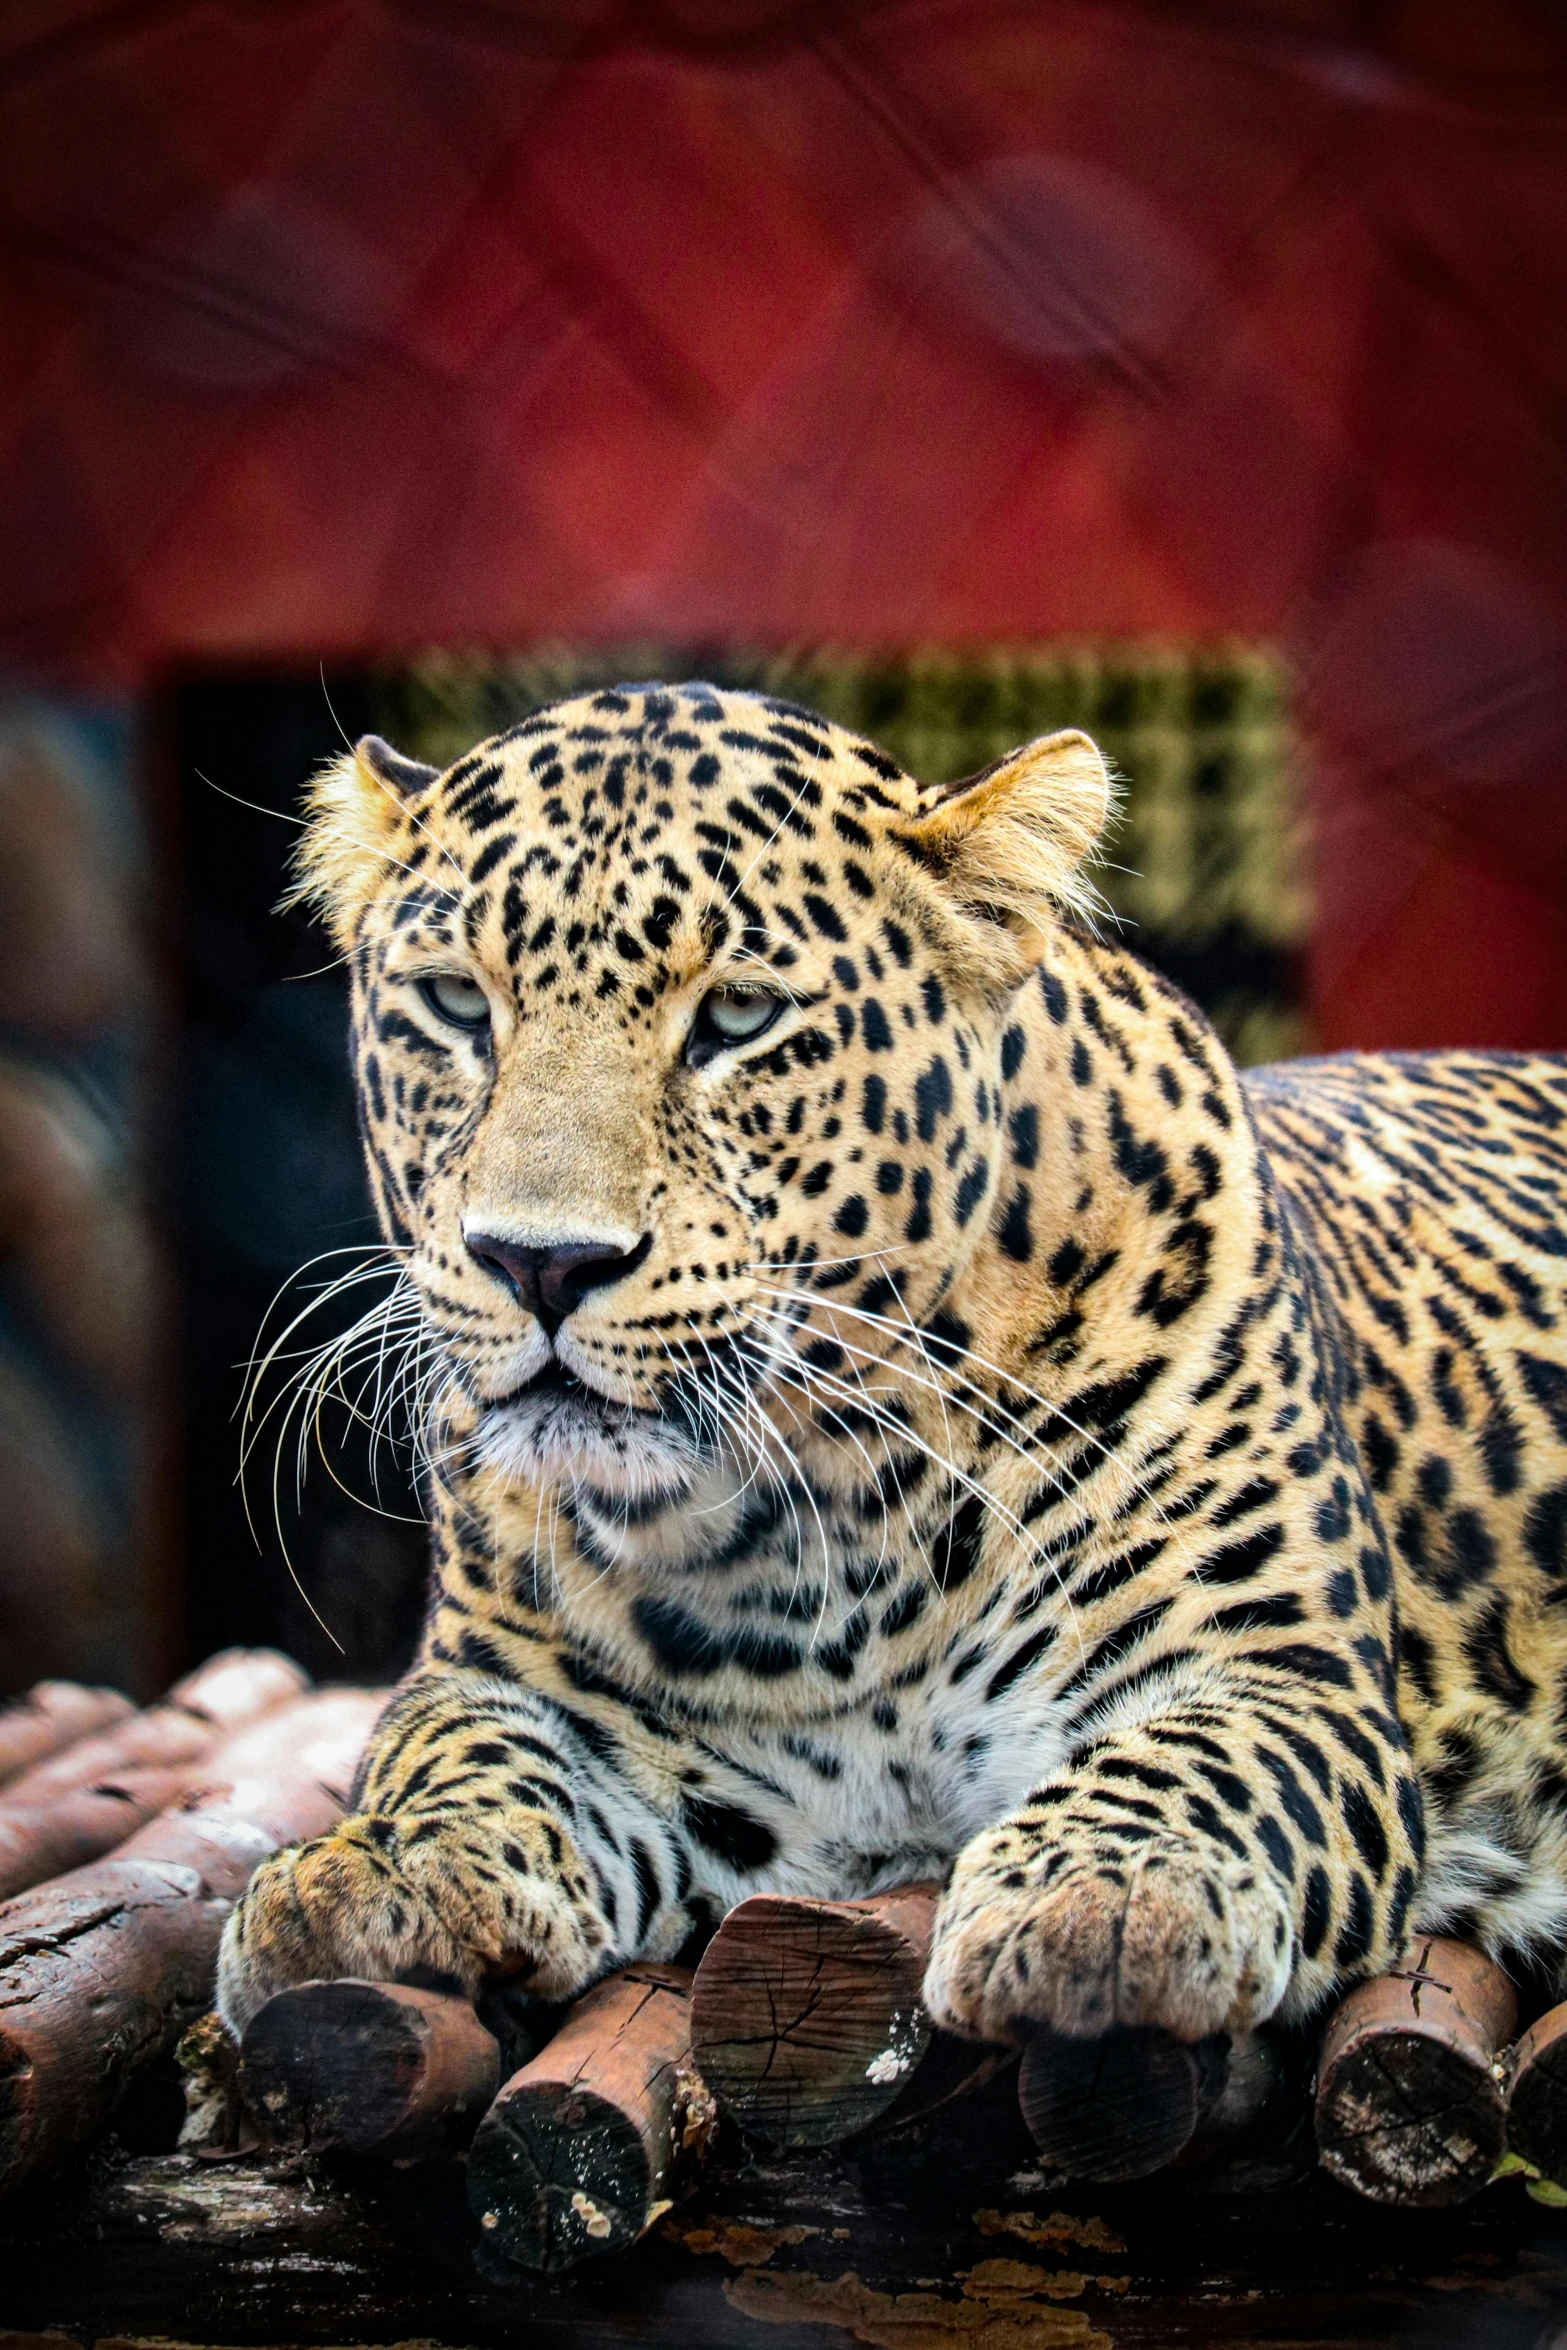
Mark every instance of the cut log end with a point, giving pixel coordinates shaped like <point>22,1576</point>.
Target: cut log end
<point>1405,2120</point>
<point>367,2068</point>
<point>1410,2107</point>
<point>1537,2097</point>
<point>1116,2108</point>
<point>562,2174</point>
<point>586,2144</point>
<point>807,2019</point>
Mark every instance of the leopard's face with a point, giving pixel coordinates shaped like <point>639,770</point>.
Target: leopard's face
<point>661,1002</point>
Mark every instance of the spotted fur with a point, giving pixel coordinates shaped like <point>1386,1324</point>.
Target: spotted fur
<point>1007,1444</point>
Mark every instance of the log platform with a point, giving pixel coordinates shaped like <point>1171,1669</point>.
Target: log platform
<point>102,1969</point>
<point>97,1786</point>
<point>891,2187</point>
<point>943,2236</point>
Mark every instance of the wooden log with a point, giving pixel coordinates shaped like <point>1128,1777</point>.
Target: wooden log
<point>51,1715</point>
<point>592,2140</point>
<point>367,2068</point>
<point>86,1799</point>
<point>232,1689</point>
<point>237,1686</point>
<point>807,2019</point>
<point>1117,2107</point>
<point>1536,2073</point>
<point>41,1840</point>
<point>1409,2103</point>
<point>102,1970</point>
<point>1136,2100</point>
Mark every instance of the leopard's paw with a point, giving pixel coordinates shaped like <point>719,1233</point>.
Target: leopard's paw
<point>1036,1931</point>
<point>414,1899</point>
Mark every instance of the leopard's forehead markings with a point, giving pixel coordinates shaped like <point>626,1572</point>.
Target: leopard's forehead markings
<point>610,775</point>
<point>598,823</point>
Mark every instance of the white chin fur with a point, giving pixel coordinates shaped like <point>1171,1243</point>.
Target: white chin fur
<point>558,1439</point>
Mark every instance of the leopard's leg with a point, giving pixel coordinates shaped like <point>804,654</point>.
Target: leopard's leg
<point>485,1839</point>
<point>1202,1870</point>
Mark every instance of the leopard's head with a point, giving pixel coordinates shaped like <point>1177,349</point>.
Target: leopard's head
<point>677,1013</point>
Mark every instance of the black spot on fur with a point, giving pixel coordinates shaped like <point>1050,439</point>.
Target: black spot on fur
<point>735,1836</point>
<point>954,1550</point>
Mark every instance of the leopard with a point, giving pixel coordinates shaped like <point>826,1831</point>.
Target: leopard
<point>899,1404</point>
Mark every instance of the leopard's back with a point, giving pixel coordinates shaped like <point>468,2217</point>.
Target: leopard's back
<point>1431,1191</point>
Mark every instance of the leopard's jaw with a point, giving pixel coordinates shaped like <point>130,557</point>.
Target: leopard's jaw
<point>563,1438</point>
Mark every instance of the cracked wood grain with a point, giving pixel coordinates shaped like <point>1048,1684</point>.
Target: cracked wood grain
<point>1410,2106</point>
<point>590,2142</point>
<point>808,2022</point>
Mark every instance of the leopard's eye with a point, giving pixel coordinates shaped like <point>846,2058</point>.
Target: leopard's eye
<point>730,1015</point>
<point>738,1012</point>
<point>456,999</point>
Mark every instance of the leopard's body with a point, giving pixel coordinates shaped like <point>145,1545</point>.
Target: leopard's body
<point>1005,1441</point>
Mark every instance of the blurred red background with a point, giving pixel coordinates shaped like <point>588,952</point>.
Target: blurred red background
<point>336,330</point>
<point>332,331</point>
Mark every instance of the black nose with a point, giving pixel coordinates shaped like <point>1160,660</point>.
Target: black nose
<point>551,1281</point>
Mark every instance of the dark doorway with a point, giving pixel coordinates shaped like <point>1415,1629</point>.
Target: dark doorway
<point>270,1182</point>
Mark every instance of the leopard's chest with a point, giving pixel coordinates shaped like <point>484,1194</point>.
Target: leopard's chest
<point>891,1787</point>
<point>875,1721</point>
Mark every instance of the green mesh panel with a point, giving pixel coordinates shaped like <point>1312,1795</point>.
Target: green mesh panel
<point>1206,868</point>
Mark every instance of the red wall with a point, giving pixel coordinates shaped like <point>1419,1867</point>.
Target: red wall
<point>335,329</point>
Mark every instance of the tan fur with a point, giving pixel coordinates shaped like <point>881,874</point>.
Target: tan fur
<point>990,1437</point>
<point>349,847</point>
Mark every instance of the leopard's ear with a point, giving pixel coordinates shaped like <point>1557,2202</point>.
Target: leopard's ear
<point>1010,844</point>
<point>354,811</point>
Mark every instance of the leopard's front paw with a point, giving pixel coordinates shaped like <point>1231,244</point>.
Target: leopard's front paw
<point>396,1899</point>
<point>1039,1928</point>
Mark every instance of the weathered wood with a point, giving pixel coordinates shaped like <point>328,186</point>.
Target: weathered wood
<point>101,1970</point>
<point>367,2068</point>
<point>51,1715</point>
<point>587,2144</point>
<point>1536,2072</point>
<point>87,1798</point>
<point>1410,2106</point>
<point>927,2241</point>
<point>232,1689</point>
<point>48,1838</point>
<point>1117,2107</point>
<point>1136,2100</point>
<point>807,2019</point>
